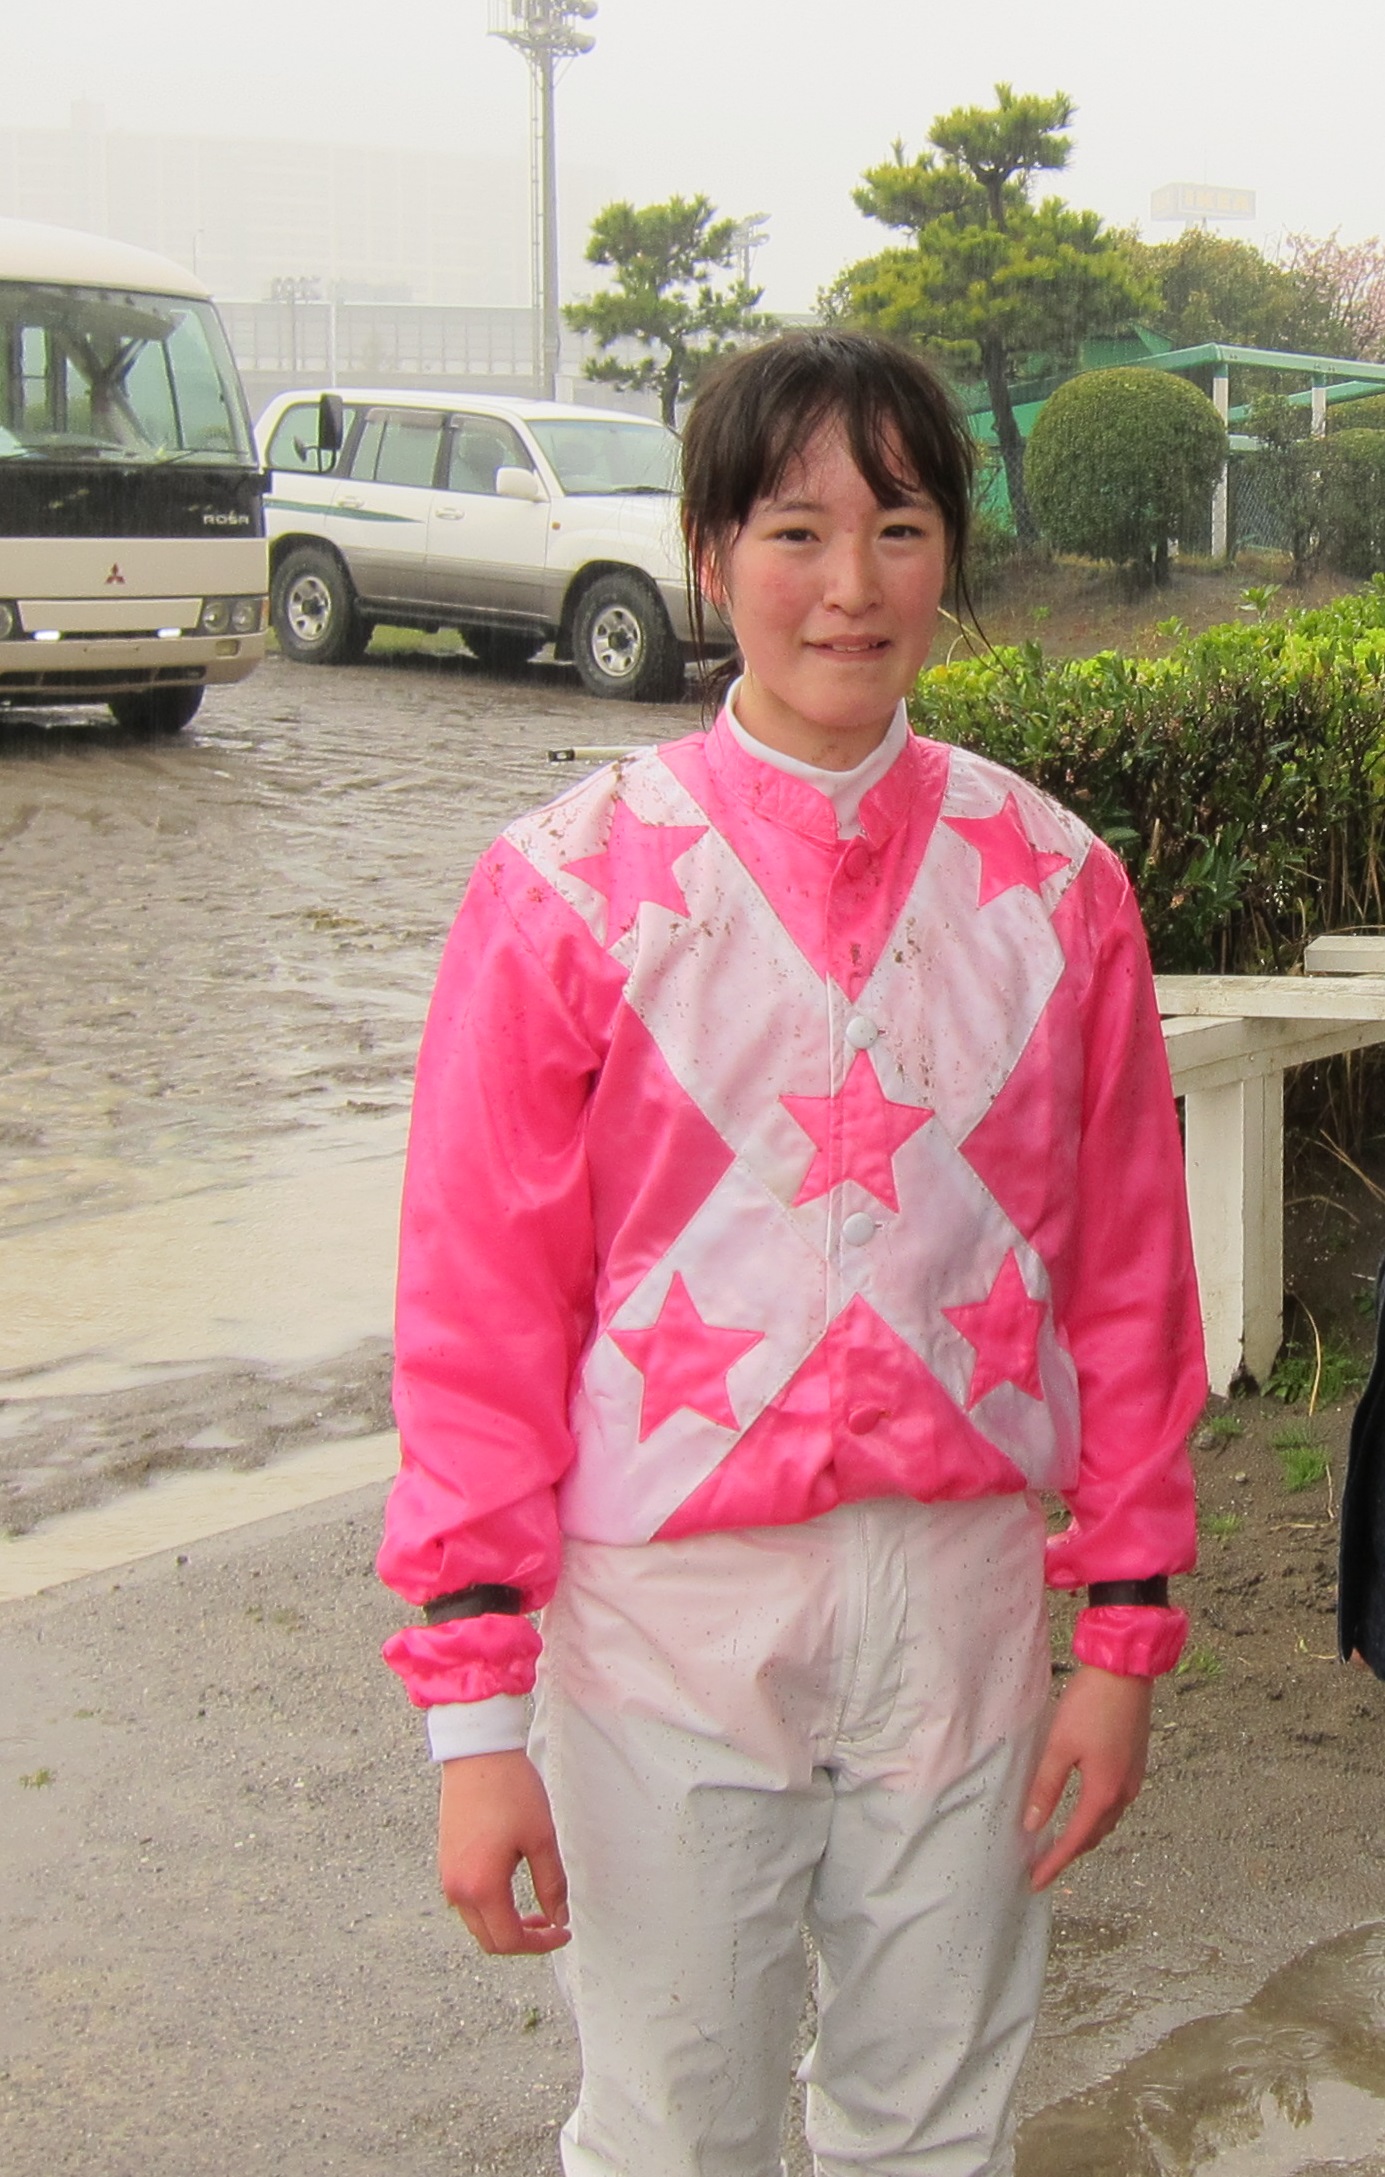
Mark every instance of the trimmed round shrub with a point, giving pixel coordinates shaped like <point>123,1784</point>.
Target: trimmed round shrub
<point>1120,461</point>
<point>1351,521</point>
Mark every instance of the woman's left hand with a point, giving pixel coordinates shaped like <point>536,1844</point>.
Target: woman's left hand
<point>1100,1728</point>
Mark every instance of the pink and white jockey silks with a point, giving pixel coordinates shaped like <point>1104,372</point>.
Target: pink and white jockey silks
<point>756,1171</point>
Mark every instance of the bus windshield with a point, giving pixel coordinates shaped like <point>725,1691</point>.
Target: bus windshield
<point>95,374</point>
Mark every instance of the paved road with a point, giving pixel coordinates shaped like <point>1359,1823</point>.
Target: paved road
<point>223,1947</point>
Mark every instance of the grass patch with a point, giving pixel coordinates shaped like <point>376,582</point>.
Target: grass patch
<point>1295,1372</point>
<point>447,643</point>
<point>1222,1523</point>
<point>1200,1664</point>
<point>1302,1460</point>
<point>1225,1426</point>
<point>36,1780</point>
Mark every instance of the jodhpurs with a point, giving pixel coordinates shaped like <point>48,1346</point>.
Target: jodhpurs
<point>829,1728</point>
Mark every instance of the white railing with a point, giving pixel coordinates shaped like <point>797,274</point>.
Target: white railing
<point>1230,1040</point>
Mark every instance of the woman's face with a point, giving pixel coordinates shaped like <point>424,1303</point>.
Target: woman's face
<point>834,600</point>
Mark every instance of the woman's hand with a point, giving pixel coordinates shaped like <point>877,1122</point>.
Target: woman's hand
<point>1100,1728</point>
<point>493,1814</point>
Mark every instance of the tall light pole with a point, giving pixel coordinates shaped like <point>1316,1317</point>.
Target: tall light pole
<point>546,32</point>
<point>747,236</point>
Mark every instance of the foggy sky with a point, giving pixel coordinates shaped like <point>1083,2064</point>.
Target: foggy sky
<point>765,105</point>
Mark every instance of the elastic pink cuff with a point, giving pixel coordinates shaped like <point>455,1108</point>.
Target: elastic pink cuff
<point>1131,1639</point>
<point>465,1659</point>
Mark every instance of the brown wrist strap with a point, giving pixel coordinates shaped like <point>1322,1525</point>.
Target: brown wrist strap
<point>1151,1594</point>
<point>483,1600</point>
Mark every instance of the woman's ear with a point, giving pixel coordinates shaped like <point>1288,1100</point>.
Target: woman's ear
<point>709,581</point>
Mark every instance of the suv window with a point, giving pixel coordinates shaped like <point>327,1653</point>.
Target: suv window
<point>399,446</point>
<point>480,446</point>
<point>294,445</point>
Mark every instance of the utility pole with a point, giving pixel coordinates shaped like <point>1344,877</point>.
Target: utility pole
<point>547,33</point>
<point>747,236</point>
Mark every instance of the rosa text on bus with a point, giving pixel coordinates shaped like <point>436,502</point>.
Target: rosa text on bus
<point>133,568</point>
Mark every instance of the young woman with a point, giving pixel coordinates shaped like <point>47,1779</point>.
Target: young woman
<point>794,1192</point>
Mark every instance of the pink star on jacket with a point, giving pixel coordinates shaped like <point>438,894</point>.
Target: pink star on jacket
<point>1008,855</point>
<point>870,1129</point>
<point>684,1362</point>
<point>1004,1331</point>
<point>636,865</point>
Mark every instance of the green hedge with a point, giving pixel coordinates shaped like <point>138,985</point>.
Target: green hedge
<point>1352,515</point>
<point>1366,414</point>
<point>1240,776</point>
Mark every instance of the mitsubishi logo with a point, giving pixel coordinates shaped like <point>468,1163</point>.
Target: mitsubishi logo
<point>115,575</point>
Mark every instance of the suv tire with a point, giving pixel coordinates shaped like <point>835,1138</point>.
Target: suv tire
<point>314,611</point>
<point>622,644</point>
<point>502,650</point>
<point>162,710</point>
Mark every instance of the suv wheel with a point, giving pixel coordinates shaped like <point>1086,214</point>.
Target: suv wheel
<point>501,649</point>
<point>162,710</point>
<point>314,610</point>
<point>622,644</point>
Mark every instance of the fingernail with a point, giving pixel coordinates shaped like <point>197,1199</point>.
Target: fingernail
<point>1033,1819</point>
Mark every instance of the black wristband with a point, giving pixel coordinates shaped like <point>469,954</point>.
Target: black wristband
<point>1152,1594</point>
<point>484,1600</point>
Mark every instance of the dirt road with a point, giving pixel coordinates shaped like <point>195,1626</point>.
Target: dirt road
<point>223,1948</point>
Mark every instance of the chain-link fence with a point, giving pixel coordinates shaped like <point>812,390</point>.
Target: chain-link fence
<point>1255,515</point>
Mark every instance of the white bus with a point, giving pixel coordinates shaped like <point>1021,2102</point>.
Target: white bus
<point>133,566</point>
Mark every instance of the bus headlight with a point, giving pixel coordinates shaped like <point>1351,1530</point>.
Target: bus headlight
<point>216,616</point>
<point>246,615</point>
<point>9,621</point>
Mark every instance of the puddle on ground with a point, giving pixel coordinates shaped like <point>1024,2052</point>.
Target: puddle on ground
<point>1084,1995</point>
<point>295,1264</point>
<point>1290,2085</point>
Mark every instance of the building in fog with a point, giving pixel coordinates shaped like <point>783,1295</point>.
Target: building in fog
<point>247,214</point>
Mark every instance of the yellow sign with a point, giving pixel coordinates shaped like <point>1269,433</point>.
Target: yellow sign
<point>1201,200</point>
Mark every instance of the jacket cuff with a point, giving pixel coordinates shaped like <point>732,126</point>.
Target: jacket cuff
<point>1130,1639</point>
<point>464,1659</point>
<point>497,1726</point>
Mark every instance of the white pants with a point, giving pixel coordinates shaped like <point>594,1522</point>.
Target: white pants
<point>830,1726</point>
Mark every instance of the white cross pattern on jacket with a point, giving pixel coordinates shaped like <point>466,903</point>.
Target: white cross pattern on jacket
<point>754,1256</point>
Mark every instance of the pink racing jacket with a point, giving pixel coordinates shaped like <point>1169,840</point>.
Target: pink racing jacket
<point>754,1171</point>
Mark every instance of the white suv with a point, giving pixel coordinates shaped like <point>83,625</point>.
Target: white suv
<point>517,522</point>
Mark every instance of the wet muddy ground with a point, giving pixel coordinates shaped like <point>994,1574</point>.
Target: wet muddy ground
<point>223,1949</point>
<point>218,951</point>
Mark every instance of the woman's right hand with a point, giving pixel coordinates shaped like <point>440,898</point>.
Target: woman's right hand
<point>495,1813</point>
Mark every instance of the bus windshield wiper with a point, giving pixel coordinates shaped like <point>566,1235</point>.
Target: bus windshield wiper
<point>223,457</point>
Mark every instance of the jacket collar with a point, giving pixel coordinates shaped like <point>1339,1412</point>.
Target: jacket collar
<point>799,806</point>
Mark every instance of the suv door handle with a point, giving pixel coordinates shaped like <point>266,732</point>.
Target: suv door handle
<point>450,513</point>
<point>345,499</point>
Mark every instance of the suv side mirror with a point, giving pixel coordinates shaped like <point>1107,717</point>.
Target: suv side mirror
<point>331,423</point>
<point>518,484</point>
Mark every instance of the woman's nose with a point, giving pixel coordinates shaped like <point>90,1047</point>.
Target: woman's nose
<point>850,584</point>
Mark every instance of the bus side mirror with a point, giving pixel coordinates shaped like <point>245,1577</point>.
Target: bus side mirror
<point>331,424</point>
